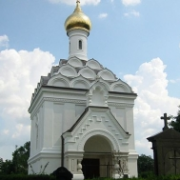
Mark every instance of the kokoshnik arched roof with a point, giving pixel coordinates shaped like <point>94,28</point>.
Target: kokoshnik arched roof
<point>79,74</point>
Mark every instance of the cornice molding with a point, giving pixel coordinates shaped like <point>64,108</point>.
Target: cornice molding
<point>55,100</point>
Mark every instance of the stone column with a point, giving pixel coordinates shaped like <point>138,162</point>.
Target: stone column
<point>79,166</point>
<point>116,174</point>
<point>73,164</point>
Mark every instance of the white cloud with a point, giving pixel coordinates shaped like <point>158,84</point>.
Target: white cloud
<point>103,15</point>
<point>150,82</point>
<point>72,2</point>
<point>131,2</point>
<point>174,80</point>
<point>4,41</point>
<point>132,13</point>
<point>20,72</point>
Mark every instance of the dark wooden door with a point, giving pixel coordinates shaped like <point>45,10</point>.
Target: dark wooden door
<point>90,168</point>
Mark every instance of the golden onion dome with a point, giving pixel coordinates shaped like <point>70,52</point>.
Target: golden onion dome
<point>78,20</point>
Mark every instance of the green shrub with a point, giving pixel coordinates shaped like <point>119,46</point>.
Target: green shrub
<point>147,175</point>
<point>27,177</point>
<point>47,177</point>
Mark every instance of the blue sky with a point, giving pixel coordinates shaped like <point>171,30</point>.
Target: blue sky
<point>139,40</point>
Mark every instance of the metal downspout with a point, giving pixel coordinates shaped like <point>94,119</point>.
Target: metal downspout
<point>62,151</point>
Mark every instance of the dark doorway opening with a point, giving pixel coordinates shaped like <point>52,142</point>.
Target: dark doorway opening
<point>90,168</point>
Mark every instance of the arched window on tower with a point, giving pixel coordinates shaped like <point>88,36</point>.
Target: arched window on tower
<point>80,44</point>
<point>69,47</point>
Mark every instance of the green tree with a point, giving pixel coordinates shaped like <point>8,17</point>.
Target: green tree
<point>20,157</point>
<point>7,167</point>
<point>18,164</point>
<point>145,164</point>
<point>1,163</point>
<point>175,123</point>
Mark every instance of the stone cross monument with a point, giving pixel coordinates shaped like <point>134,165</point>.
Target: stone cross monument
<point>165,118</point>
<point>166,150</point>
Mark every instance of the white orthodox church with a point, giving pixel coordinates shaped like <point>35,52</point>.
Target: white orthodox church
<point>82,114</point>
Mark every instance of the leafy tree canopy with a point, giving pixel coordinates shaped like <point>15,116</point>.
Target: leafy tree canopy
<point>18,164</point>
<point>145,164</point>
<point>175,123</point>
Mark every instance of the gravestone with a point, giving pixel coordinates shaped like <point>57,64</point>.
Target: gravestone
<point>62,173</point>
<point>166,150</point>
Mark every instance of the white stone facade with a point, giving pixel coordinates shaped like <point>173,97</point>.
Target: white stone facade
<point>78,44</point>
<point>93,111</point>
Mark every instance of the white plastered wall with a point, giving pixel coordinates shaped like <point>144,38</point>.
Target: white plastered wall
<point>55,116</point>
<point>59,112</point>
<point>74,37</point>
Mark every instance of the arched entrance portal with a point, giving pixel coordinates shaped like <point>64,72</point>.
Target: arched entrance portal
<point>97,158</point>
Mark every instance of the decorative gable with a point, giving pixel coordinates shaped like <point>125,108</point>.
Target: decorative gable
<point>68,71</point>
<point>93,64</point>
<point>107,75</point>
<point>121,86</point>
<point>87,73</point>
<point>59,81</point>
<point>80,82</point>
<point>74,61</point>
<point>96,121</point>
<point>97,95</point>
